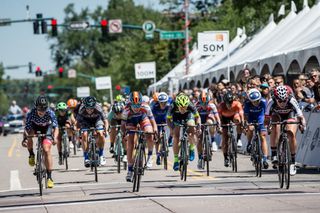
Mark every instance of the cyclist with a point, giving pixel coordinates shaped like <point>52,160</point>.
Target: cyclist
<point>42,119</point>
<point>134,114</point>
<point>284,106</point>
<point>254,110</point>
<point>90,114</point>
<point>64,119</point>
<point>114,118</point>
<point>160,110</point>
<point>182,111</point>
<point>230,110</point>
<point>72,105</point>
<point>209,115</point>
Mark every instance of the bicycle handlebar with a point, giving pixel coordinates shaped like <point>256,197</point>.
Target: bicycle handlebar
<point>91,129</point>
<point>115,126</point>
<point>140,132</point>
<point>228,125</point>
<point>162,125</point>
<point>215,124</point>
<point>285,122</point>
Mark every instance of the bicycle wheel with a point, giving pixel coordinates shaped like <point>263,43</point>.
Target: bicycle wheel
<point>65,151</point>
<point>207,151</point>
<point>287,156</point>
<point>74,145</point>
<point>39,170</point>
<point>185,160</point>
<point>234,155</point>
<point>118,157</point>
<point>280,163</point>
<point>259,157</point>
<point>94,159</point>
<point>164,152</point>
<point>136,169</point>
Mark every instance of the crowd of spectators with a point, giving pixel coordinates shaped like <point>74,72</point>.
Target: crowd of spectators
<point>305,88</point>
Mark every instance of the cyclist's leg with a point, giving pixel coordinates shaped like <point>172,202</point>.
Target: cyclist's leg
<point>59,147</point>
<point>101,137</point>
<point>236,120</point>
<point>211,120</point>
<point>292,130</point>
<point>84,141</point>
<point>176,137</point>
<point>130,148</point>
<point>264,144</point>
<point>29,144</point>
<point>146,126</point>
<point>47,144</point>
<point>224,141</point>
<point>113,133</point>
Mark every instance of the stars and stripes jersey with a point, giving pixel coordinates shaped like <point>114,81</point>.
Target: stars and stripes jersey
<point>34,119</point>
<point>144,110</point>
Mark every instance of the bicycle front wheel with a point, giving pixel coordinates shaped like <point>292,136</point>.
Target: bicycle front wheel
<point>233,156</point>
<point>39,170</point>
<point>184,160</point>
<point>208,153</point>
<point>165,152</point>
<point>118,153</point>
<point>286,150</point>
<point>94,160</point>
<point>281,160</point>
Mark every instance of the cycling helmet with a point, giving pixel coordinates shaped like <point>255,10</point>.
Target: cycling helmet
<point>41,103</point>
<point>204,98</point>
<point>163,97</point>
<point>119,98</point>
<point>135,98</point>
<point>62,106</point>
<point>72,103</point>
<point>182,100</point>
<point>145,99</point>
<point>254,95</point>
<point>89,102</point>
<point>228,98</point>
<point>281,93</point>
<point>117,107</point>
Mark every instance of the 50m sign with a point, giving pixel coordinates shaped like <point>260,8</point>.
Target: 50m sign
<point>213,42</point>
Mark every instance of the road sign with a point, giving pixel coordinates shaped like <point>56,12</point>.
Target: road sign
<point>5,22</point>
<point>83,92</point>
<point>213,42</point>
<point>72,73</point>
<point>103,82</point>
<point>172,35</point>
<point>115,26</point>
<point>145,70</point>
<point>79,25</point>
<point>148,26</point>
<point>149,36</point>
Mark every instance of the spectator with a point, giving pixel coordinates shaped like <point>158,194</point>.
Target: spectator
<point>14,108</point>
<point>302,94</point>
<point>303,78</point>
<point>279,80</point>
<point>244,80</point>
<point>314,75</point>
<point>311,98</point>
<point>271,83</point>
<point>265,91</point>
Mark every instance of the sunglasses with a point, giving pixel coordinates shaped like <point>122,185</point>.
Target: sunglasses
<point>41,109</point>
<point>281,101</point>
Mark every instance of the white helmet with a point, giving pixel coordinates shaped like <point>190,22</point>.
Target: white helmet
<point>163,97</point>
<point>145,99</point>
<point>254,95</point>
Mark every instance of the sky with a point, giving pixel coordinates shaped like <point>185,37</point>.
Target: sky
<point>18,44</point>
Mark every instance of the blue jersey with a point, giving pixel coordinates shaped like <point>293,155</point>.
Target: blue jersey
<point>255,113</point>
<point>159,114</point>
<point>34,119</point>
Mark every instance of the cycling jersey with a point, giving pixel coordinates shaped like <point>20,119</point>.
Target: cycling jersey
<point>207,111</point>
<point>142,117</point>
<point>62,120</point>
<point>113,119</point>
<point>291,109</point>
<point>235,108</point>
<point>159,114</point>
<point>255,114</point>
<point>95,119</point>
<point>178,118</point>
<point>34,120</point>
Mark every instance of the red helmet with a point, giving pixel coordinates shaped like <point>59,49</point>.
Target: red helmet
<point>281,93</point>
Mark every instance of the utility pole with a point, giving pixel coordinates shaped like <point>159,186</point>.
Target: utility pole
<point>186,9</point>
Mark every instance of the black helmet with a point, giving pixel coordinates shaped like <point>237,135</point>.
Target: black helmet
<point>117,107</point>
<point>228,98</point>
<point>41,103</point>
<point>89,102</point>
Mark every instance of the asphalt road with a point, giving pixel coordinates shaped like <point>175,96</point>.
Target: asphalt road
<point>161,191</point>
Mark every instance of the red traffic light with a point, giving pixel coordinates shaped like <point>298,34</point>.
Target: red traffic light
<point>104,22</point>
<point>53,21</point>
<point>118,87</point>
<point>50,87</point>
<point>38,69</point>
<point>61,69</point>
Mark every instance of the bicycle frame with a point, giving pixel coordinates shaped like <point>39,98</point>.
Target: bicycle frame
<point>163,144</point>
<point>206,146</point>
<point>256,152</point>
<point>232,146</point>
<point>118,148</point>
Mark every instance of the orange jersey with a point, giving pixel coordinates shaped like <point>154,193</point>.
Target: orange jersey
<point>236,107</point>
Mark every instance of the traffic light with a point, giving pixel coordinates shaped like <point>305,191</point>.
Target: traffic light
<point>44,29</point>
<point>104,24</point>
<point>60,72</point>
<point>30,67</point>
<point>54,29</point>
<point>36,29</point>
<point>38,72</point>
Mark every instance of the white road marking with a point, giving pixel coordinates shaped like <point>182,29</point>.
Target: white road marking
<point>77,202</point>
<point>14,180</point>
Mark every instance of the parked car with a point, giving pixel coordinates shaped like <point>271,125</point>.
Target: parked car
<point>13,124</point>
<point>1,124</point>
